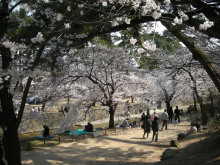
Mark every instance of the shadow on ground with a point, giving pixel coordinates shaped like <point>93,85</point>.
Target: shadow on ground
<point>201,152</point>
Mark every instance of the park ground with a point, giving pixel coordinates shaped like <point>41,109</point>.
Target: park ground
<point>128,147</point>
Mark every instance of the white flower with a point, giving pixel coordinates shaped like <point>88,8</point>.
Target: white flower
<point>146,45</point>
<point>104,3</point>
<point>38,38</point>
<point>167,2</point>
<point>80,6</point>
<point>192,28</point>
<point>68,8</point>
<point>127,20</point>
<point>149,46</point>
<point>156,15</point>
<point>111,1</point>
<point>178,21</point>
<point>153,47</point>
<point>206,25</point>
<point>114,23</point>
<point>69,43</point>
<point>140,50</point>
<point>61,1</point>
<point>1,80</point>
<point>133,41</point>
<point>67,25</point>
<point>59,17</point>
<point>81,12</point>
<point>183,16</point>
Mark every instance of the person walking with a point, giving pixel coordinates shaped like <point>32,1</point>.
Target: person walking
<point>155,129</point>
<point>177,113</point>
<point>164,119</point>
<point>154,115</point>
<point>147,125</point>
<point>142,117</point>
<point>127,104</point>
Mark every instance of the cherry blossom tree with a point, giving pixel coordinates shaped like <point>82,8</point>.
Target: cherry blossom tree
<point>108,70</point>
<point>53,30</point>
<point>192,78</point>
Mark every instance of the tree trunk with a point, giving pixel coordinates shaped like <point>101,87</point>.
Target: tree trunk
<point>11,146</point>
<point>194,102</point>
<point>111,119</point>
<point>168,105</point>
<point>11,143</point>
<point>202,107</point>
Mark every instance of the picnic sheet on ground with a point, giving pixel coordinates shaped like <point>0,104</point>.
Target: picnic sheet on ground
<point>79,132</point>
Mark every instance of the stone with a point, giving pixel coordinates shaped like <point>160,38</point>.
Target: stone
<point>174,143</point>
<point>181,136</point>
<point>169,153</point>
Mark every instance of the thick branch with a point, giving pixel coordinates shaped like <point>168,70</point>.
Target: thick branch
<point>198,54</point>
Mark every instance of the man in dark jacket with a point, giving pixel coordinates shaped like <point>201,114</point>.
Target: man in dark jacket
<point>155,129</point>
<point>89,127</point>
<point>177,113</point>
<point>46,131</point>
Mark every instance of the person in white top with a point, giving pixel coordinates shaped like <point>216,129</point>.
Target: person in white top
<point>164,117</point>
<point>33,110</point>
<point>192,130</point>
<point>125,123</point>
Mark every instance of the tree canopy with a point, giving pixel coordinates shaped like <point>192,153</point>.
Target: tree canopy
<point>36,35</point>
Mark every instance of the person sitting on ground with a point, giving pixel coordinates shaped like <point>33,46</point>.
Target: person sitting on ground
<point>181,112</point>
<point>133,124</point>
<point>125,124</point>
<point>197,126</point>
<point>33,110</point>
<point>46,131</point>
<point>89,127</point>
<point>192,130</point>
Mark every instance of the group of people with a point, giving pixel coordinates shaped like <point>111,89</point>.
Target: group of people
<point>63,110</point>
<point>34,110</point>
<point>151,122</point>
<point>176,114</point>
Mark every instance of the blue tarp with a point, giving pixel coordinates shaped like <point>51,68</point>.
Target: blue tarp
<point>41,137</point>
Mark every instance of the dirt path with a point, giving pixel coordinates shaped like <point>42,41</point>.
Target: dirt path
<point>123,147</point>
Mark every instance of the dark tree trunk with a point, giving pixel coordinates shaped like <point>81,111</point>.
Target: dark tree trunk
<point>11,143</point>
<point>202,107</point>
<point>11,146</point>
<point>111,119</point>
<point>168,105</point>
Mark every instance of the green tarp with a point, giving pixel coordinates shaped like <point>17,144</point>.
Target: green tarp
<point>78,132</point>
